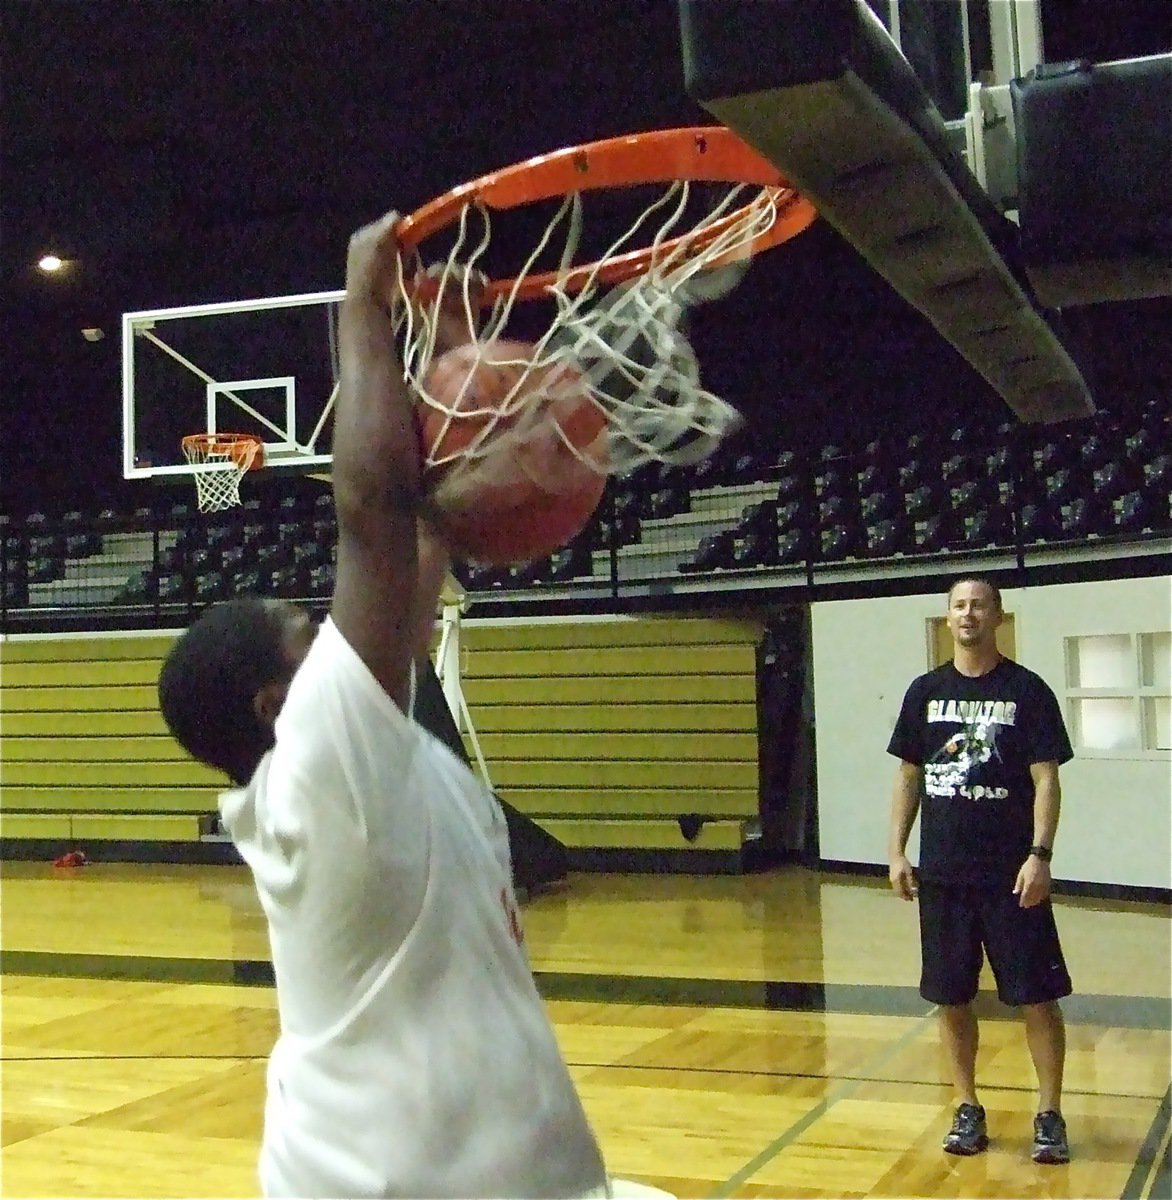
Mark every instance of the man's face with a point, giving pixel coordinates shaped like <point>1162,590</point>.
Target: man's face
<point>973,615</point>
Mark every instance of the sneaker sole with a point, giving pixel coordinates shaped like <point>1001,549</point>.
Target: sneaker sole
<point>967,1151</point>
<point>1050,1158</point>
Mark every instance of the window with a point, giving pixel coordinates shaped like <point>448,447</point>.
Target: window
<point>1119,694</point>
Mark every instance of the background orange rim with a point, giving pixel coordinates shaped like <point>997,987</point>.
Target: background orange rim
<point>232,443</point>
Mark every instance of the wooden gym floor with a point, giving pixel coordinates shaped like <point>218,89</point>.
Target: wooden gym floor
<point>731,1036</point>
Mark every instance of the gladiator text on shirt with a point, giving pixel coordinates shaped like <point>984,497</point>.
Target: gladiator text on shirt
<point>973,712</point>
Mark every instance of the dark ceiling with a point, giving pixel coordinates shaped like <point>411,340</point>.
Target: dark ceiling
<point>185,151</point>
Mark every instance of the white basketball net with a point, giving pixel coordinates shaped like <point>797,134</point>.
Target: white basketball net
<point>218,467</point>
<point>625,342</point>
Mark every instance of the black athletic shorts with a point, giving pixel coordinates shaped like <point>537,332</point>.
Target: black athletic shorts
<point>959,921</point>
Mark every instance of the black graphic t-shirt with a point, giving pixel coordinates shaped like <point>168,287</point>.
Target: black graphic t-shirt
<point>975,739</point>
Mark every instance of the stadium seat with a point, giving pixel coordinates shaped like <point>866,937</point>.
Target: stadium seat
<point>15,592</point>
<point>714,552</point>
<point>570,563</point>
<point>986,527</point>
<point>284,582</point>
<point>321,580</point>
<point>887,537</point>
<point>46,545</point>
<point>935,533</point>
<point>754,549</point>
<point>880,505</point>
<point>792,547</point>
<point>173,588</point>
<point>138,589</point>
<point>791,485</point>
<point>1082,518</point>
<point>838,542</point>
<point>1036,523</point>
<point>44,570</point>
<point>209,586</point>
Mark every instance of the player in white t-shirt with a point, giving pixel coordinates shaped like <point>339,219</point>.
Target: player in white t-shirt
<point>415,1056</point>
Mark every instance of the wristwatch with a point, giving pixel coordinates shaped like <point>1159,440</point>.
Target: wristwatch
<point>1042,852</point>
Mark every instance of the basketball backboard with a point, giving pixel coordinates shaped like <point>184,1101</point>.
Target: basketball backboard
<point>264,367</point>
<point>823,89</point>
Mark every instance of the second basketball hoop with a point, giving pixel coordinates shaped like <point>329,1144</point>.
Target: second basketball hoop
<point>219,461</point>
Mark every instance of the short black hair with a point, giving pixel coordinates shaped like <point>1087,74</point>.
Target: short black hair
<point>994,590</point>
<point>209,680</point>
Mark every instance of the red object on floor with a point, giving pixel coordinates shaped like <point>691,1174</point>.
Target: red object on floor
<point>74,858</point>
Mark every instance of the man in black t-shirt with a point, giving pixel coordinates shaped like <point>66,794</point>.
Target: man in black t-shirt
<point>980,740</point>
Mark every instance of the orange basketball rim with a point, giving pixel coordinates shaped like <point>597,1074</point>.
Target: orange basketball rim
<point>701,154</point>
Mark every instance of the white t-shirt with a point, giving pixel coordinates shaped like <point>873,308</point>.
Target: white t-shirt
<point>415,1056</point>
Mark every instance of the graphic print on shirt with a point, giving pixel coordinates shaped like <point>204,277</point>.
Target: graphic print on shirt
<point>952,770</point>
<point>512,919</point>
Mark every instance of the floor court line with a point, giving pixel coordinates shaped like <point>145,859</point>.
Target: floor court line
<point>817,1111</point>
<point>89,1058</point>
<point>1160,1181</point>
<point>766,1073</point>
<point>1152,1154</point>
<point>1133,1012</point>
<point>577,1063</point>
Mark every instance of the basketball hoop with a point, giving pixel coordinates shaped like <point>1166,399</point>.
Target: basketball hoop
<point>218,462</point>
<point>616,320</point>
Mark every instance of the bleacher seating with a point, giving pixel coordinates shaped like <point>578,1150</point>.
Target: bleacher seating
<point>984,488</point>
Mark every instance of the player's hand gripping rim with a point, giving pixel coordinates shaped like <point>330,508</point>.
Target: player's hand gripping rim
<point>374,266</point>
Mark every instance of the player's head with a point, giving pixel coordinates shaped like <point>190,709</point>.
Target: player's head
<point>974,612</point>
<point>224,681</point>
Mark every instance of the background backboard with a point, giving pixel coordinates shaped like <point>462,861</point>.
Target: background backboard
<point>262,367</point>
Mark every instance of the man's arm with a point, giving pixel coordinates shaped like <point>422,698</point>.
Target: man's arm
<point>434,564</point>
<point>905,804</point>
<point>376,470</point>
<point>1033,879</point>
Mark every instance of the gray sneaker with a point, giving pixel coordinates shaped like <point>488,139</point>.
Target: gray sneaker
<point>967,1135</point>
<point>1050,1144</point>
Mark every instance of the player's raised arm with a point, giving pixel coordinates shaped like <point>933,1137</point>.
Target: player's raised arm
<point>376,470</point>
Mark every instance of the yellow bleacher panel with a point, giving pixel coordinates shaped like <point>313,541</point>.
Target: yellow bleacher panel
<point>137,828</point>
<point>631,718</point>
<point>650,802</point>
<point>644,631</point>
<point>136,723</point>
<point>593,660</point>
<point>34,825</point>
<point>619,747</point>
<point>589,689</point>
<point>75,699</point>
<point>110,799</point>
<point>643,835</point>
<point>623,775</point>
<point>66,774</point>
<point>22,650</point>
<point>90,749</point>
<point>98,673</point>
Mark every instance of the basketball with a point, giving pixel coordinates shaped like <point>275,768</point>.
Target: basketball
<point>504,466</point>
